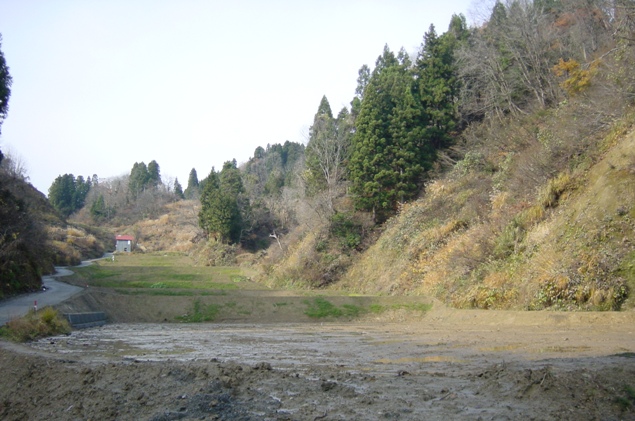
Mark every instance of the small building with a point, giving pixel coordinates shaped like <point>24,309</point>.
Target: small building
<point>124,243</point>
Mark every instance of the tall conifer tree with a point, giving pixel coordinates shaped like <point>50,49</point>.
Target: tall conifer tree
<point>388,150</point>
<point>154,174</point>
<point>192,189</point>
<point>220,216</point>
<point>178,189</point>
<point>5,88</point>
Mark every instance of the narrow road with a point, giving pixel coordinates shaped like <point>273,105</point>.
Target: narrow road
<point>55,293</point>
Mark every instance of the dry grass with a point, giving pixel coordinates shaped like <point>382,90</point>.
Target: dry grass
<point>40,324</point>
<point>71,244</point>
<point>550,226</point>
<point>175,231</point>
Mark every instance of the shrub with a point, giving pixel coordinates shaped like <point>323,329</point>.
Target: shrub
<point>321,308</point>
<point>40,324</point>
<point>200,313</point>
<point>346,230</point>
<point>555,188</point>
<point>216,253</point>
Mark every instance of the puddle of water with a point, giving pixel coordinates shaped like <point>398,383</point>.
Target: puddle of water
<point>500,348</point>
<point>559,349</point>
<point>385,342</point>
<point>426,359</point>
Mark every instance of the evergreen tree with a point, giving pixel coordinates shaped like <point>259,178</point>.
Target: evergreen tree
<point>293,153</point>
<point>324,109</point>
<point>405,113</point>
<point>63,194</point>
<point>437,84</point>
<point>192,189</point>
<point>139,178</point>
<point>345,129</point>
<point>5,88</point>
<point>259,153</point>
<point>81,191</point>
<point>231,185</point>
<point>363,77</point>
<point>178,190</point>
<point>98,208</point>
<point>154,174</point>
<point>219,216</point>
<point>388,153</point>
<point>230,179</point>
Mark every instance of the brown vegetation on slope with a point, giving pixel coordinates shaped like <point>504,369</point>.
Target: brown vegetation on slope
<point>174,230</point>
<point>537,214</point>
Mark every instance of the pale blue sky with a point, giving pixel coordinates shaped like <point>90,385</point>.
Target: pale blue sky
<point>100,85</point>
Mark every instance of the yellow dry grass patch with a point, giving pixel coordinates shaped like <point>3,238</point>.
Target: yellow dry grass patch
<point>174,231</point>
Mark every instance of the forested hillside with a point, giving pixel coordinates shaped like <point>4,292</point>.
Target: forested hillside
<point>34,236</point>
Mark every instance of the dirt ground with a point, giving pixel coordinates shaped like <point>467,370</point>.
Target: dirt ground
<point>448,364</point>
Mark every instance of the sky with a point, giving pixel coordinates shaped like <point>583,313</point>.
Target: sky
<point>99,85</point>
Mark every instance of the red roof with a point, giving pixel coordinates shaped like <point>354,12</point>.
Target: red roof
<point>125,238</point>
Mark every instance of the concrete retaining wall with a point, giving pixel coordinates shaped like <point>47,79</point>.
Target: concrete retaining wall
<point>84,320</point>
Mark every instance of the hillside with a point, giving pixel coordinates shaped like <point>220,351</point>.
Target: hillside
<point>35,237</point>
<point>486,235</point>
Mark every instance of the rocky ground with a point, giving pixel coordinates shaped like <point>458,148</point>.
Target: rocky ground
<point>448,364</point>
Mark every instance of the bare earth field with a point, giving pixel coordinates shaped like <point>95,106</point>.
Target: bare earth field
<point>446,364</point>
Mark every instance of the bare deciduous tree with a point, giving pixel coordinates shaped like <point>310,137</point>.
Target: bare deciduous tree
<point>14,165</point>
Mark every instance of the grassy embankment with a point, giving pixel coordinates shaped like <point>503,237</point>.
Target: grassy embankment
<point>169,287</point>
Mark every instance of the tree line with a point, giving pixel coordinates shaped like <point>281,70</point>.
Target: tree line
<point>141,193</point>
